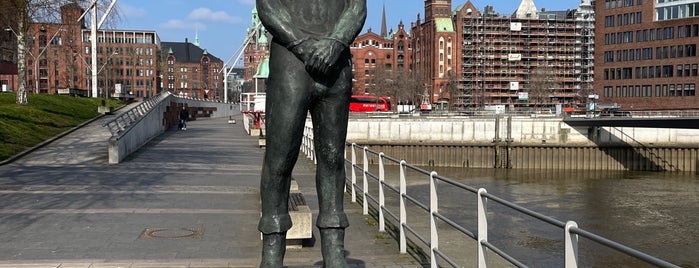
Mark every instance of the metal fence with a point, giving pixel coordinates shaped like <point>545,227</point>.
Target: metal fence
<point>404,218</point>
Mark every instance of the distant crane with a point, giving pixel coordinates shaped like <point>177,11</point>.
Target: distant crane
<point>233,60</point>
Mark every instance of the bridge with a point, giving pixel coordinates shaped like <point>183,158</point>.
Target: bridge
<point>191,199</point>
<point>657,121</point>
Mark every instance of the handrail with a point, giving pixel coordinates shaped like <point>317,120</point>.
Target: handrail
<point>400,218</point>
<point>125,120</point>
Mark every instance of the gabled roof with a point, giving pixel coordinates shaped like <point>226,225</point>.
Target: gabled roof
<point>187,52</point>
<point>526,9</point>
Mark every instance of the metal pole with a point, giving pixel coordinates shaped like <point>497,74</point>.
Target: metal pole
<point>382,199</point>
<point>365,183</point>
<point>434,209</point>
<point>482,228</point>
<point>403,217</point>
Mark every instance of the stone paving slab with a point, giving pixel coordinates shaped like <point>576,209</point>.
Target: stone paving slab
<point>64,206</point>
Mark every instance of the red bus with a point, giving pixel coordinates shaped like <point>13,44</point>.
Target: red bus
<point>369,103</point>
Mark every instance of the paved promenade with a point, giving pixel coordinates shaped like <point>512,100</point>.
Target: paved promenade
<point>187,199</point>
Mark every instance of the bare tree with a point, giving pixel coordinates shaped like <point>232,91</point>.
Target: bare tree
<point>18,15</point>
<point>452,88</point>
<point>542,85</point>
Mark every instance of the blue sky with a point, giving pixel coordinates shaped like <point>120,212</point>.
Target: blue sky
<point>221,24</point>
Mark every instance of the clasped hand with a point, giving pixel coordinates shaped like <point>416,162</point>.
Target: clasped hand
<point>319,55</point>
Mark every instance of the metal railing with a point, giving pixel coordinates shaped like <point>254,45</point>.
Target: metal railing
<point>401,219</point>
<point>122,122</point>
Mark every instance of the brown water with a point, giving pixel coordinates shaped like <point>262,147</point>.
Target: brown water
<point>656,213</point>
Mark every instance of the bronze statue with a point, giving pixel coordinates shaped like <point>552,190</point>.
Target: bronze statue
<point>310,70</point>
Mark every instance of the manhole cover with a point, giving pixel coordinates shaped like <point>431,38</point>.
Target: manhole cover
<point>171,233</point>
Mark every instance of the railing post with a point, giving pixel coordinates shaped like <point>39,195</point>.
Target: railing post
<point>312,148</point>
<point>382,224</point>
<point>344,163</point>
<point>434,206</point>
<point>403,217</point>
<point>354,173</point>
<point>365,183</point>
<point>303,141</point>
<point>571,246</point>
<point>482,228</point>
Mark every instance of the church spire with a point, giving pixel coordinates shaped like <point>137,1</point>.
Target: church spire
<point>196,37</point>
<point>383,21</point>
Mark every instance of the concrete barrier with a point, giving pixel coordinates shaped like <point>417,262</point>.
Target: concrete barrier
<point>136,127</point>
<point>523,131</point>
<point>301,218</point>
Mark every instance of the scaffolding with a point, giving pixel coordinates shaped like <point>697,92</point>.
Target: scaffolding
<point>540,60</point>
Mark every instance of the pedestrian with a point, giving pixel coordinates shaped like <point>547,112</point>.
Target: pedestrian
<point>184,116</point>
<point>310,71</point>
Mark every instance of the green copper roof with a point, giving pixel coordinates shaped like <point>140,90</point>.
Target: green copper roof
<point>263,69</point>
<point>444,25</point>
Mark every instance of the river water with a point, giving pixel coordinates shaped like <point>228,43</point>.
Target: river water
<point>656,213</point>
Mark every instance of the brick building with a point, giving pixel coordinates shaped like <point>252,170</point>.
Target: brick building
<point>434,43</point>
<point>191,71</point>
<point>375,56</point>
<point>8,61</point>
<point>130,63</point>
<point>372,54</point>
<point>257,50</point>
<point>59,58</point>
<point>472,59</point>
<point>646,56</point>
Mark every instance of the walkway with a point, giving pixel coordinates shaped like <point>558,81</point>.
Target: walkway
<point>187,199</point>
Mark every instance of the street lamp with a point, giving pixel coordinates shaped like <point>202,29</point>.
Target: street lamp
<point>106,61</point>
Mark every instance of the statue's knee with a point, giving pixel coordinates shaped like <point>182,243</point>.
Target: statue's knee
<point>334,220</point>
<point>270,224</point>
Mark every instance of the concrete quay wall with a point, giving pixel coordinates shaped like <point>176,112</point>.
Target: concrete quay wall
<point>523,131</point>
<point>524,142</point>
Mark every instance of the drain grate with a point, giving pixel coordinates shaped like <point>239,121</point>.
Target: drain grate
<point>172,233</point>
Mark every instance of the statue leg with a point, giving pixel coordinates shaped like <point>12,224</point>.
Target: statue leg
<point>286,107</point>
<point>330,115</point>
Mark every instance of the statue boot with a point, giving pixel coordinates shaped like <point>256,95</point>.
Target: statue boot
<point>333,247</point>
<point>273,249</point>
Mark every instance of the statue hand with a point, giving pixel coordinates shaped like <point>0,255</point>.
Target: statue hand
<point>324,56</point>
<point>304,49</point>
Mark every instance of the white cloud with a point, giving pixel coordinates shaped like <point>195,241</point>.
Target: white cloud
<point>247,2</point>
<point>175,24</point>
<point>203,13</point>
<point>131,11</point>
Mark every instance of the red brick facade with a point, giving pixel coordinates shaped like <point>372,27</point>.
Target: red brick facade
<point>434,48</point>
<point>59,62</point>
<point>643,63</point>
<point>373,55</point>
<point>59,58</point>
<point>191,71</point>
<point>256,50</point>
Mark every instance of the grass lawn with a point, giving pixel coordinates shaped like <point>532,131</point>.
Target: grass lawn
<point>45,116</point>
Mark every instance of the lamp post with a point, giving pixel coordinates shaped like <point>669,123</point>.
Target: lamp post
<point>106,61</point>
